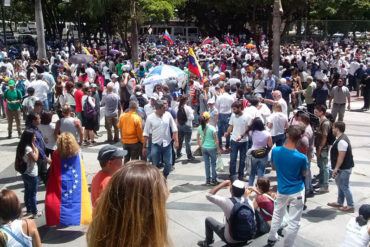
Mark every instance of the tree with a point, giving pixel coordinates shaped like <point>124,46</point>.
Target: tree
<point>278,11</point>
<point>41,51</point>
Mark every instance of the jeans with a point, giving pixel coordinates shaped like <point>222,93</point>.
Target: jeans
<point>109,123</point>
<point>351,82</point>
<point>2,107</point>
<point>242,148</point>
<point>46,105</point>
<point>308,179</point>
<point>196,114</point>
<point>344,191</point>
<point>338,109</point>
<point>279,140</point>
<point>30,190</point>
<point>366,97</point>
<point>258,167</point>
<point>223,124</point>
<point>210,157</point>
<point>50,100</point>
<point>213,225</point>
<point>295,202</point>
<point>133,151</point>
<point>184,132</point>
<point>166,152</point>
<point>322,162</point>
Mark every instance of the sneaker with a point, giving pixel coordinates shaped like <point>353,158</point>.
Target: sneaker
<point>37,215</point>
<point>203,243</point>
<point>270,243</point>
<point>192,158</point>
<point>208,183</point>
<point>215,182</point>
<point>322,191</point>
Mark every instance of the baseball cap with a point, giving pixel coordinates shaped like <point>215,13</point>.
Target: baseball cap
<point>206,115</point>
<point>211,101</point>
<point>109,151</point>
<point>176,94</point>
<point>11,83</point>
<point>115,76</point>
<point>93,85</point>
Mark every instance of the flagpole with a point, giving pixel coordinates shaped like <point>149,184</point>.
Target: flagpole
<point>187,86</point>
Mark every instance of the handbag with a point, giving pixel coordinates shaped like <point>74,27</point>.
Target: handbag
<point>198,151</point>
<point>262,226</point>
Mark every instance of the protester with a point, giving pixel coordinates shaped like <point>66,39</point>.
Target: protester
<point>110,159</point>
<point>339,94</point>
<point>342,163</point>
<point>208,142</point>
<point>89,117</point>
<point>69,124</point>
<point>13,98</point>
<point>277,123</point>
<point>67,200</point>
<point>111,102</point>
<point>15,231</point>
<point>28,103</point>
<point>291,166</point>
<point>262,142</point>
<point>47,129</point>
<point>130,124</point>
<point>228,231</point>
<point>160,124</point>
<point>133,205</point>
<point>238,125</point>
<point>358,230</point>
<point>185,117</point>
<point>223,106</point>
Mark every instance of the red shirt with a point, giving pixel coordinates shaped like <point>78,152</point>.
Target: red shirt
<point>98,184</point>
<point>78,98</point>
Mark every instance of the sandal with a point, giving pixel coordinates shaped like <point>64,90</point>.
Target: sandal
<point>347,209</point>
<point>334,205</point>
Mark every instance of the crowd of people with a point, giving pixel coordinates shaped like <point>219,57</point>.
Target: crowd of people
<point>238,107</point>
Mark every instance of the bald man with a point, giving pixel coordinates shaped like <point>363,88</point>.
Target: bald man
<point>277,99</point>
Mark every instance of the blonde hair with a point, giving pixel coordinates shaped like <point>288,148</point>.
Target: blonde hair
<point>67,145</point>
<point>277,107</point>
<point>132,209</point>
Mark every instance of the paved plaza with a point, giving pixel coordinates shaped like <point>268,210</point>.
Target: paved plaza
<point>187,206</point>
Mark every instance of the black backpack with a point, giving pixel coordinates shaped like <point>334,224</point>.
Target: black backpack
<point>89,110</point>
<point>141,100</point>
<point>181,116</point>
<point>19,164</point>
<point>242,221</point>
<point>330,138</point>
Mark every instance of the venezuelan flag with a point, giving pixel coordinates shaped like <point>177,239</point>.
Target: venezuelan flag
<point>86,50</point>
<point>206,41</point>
<point>97,53</point>
<point>228,39</point>
<point>67,200</point>
<point>194,66</point>
<point>167,36</point>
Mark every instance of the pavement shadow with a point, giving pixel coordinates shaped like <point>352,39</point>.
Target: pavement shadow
<point>9,180</point>
<point>189,188</point>
<point>13,144</point>
<point>320,214</point>
<point>58,235</point>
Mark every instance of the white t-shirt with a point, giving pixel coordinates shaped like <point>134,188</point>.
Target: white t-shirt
<point>356,235</point>
<point>284,106</point>
<point>278,121</point>
<point>223,103</point>
<point>240,125</point>
<point>47,132</point>
<point>41,89</point>
<point>160,127</point>
<point>32,169</point>
<point>342,146</point>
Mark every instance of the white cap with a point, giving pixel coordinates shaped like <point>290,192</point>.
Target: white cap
<point>115,76</point>
<point>283,81</point>
<point>238,184</point>
<point>211,101</point>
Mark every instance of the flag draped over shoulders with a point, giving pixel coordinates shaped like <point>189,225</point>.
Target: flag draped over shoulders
<point>67,200</point>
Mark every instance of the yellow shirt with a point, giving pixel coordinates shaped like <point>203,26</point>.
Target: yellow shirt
<point>131,127</point>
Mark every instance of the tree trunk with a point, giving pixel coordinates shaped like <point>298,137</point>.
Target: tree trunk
<point>134,33</point>
<point>276,34</point>
<point>41,51</point>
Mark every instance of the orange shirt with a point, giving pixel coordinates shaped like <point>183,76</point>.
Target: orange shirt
<point>98,184</point>
<point>131,127</point>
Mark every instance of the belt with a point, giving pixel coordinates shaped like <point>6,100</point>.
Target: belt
<point>339,104</point>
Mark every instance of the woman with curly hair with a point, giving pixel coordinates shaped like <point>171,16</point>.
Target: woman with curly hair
<point>67,197</point>
<point>132,209</point>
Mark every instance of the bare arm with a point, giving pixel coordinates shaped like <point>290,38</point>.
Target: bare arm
<point>34,155</point>
<point>217,143</point>
<point>273,166</point>
<point>29,226</point>
<point>216,119</point>
<point>220,186</point>
<point>269,142</point>
<point>79,129</point>
<point>229,130</point>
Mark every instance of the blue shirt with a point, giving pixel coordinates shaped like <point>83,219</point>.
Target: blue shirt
<point>39,142</point>
<point>270,84</point>
<point>320,95</point>
<point>285,92</point>
<point>289,165</point>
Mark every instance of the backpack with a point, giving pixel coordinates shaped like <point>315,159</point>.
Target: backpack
<point>19,164</point>
<point>330,138</point>
<point>181,116</point>
<point>242,221</point>
<point>21,87</point>
<point>140,98</point>
<point>89,110</point>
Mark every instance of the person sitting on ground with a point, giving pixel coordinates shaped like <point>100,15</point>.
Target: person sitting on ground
<point>265,199</point>
<point>110,159</point>
<point>358,230</point>
<point>229,232</point>
<point>132,208</point>
<point>13,230</point>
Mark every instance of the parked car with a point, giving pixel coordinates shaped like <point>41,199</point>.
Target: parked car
<point>10,39</point>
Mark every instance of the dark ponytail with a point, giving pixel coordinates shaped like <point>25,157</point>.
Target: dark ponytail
<point>203,122</point>
<point>360,220</point>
